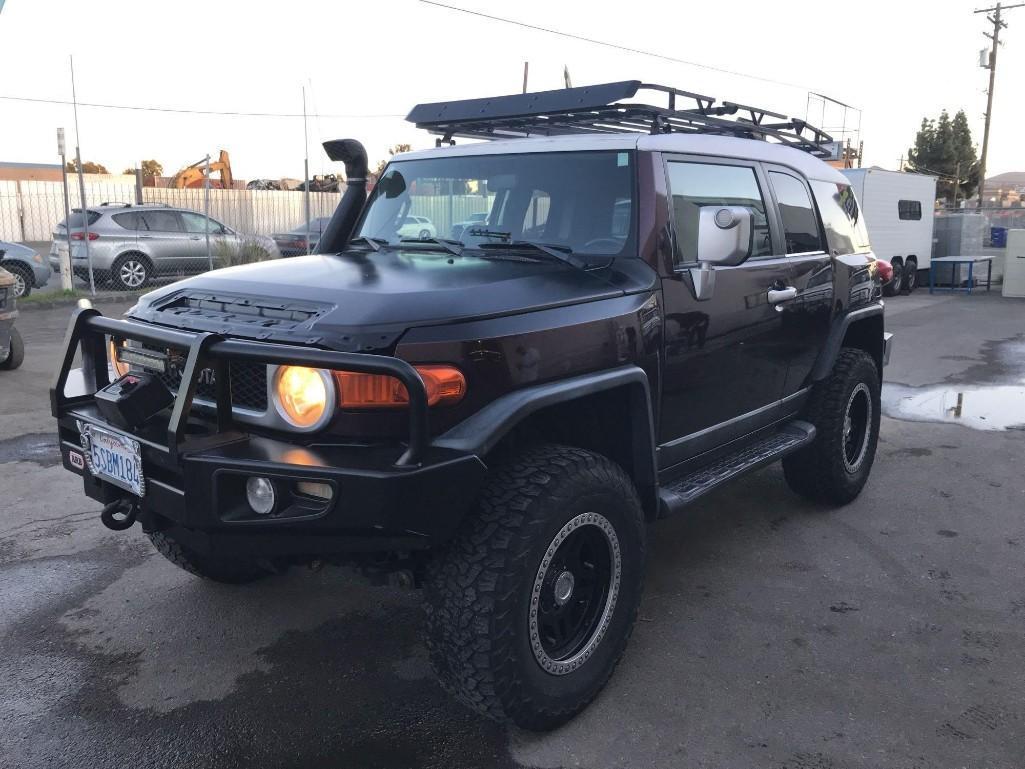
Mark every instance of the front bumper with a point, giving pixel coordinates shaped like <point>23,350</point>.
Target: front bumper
<point>385,497</point>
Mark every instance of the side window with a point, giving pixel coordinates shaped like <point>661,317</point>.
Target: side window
<point>800,223</point>
<point>910,210</point>
<point>845,229</point>
<point>694,185</point>
<point>130,221</point>
<point>160,221</point>
<point>536,215</point>
<point>197,223</point>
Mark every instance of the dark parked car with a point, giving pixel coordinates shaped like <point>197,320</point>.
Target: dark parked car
<point>643,318</point>
<point>12,348</point>
<point>293,242</point>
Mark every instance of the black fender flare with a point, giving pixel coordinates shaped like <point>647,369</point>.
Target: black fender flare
<point>481,432</point>
<point>838,332</point>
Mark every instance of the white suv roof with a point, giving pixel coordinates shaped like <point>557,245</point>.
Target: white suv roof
<point>690,144</point>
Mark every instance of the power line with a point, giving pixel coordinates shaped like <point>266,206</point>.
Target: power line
<point>616,46</point>
<point>184,111</point>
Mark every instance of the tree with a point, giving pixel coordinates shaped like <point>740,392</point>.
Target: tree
<point>88,167</point>
<point>149,168</point>
<point>395,150</point>
<point>944,148</point>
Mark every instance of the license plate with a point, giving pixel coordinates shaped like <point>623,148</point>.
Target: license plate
<point>115,458</point>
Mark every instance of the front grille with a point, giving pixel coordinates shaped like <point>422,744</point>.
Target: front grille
<point>248,381</point>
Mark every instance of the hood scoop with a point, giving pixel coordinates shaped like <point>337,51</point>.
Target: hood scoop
<point>206,308</point>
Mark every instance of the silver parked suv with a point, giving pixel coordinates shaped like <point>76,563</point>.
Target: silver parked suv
<point>131,244</point>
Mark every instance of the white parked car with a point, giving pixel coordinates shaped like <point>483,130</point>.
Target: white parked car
<point>417,227</point>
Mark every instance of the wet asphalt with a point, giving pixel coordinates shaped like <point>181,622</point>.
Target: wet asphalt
<point>773,633</point>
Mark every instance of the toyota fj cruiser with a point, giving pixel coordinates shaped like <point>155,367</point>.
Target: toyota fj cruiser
<point>643,303</point>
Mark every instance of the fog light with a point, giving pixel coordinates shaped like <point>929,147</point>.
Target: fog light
<point>260,493</point>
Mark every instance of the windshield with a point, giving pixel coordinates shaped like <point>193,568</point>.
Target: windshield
<point>582,202</point>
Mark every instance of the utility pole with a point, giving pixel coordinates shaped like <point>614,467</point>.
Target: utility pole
<point>526,70</point>
<point>81,186</point>
<point>65,260</point>
<point>998,24</point>
<point>306,173</point>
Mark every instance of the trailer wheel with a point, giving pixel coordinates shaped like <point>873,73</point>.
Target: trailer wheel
<point>911,275</point>
<point>897,282</point>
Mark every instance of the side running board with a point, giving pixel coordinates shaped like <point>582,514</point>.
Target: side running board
<point>679,493</point>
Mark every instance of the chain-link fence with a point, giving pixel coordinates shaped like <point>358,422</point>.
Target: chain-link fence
<point>132,235</point>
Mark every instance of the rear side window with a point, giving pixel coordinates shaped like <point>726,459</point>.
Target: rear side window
<point>160,221</point>
<point>694,185</point>
<point>841,216</point>
<point>909,210</point>
<point>129,221</point>
<point>78,220</point>
<point>800,224</point>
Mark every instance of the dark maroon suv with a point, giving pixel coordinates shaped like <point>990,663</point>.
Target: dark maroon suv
<point>624,306</point>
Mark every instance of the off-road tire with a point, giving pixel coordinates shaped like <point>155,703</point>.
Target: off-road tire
<point>896,284</point>
<point>228,571</point>
<point>27,278</point>
<point>15,353</point>
<point>819,471</point>
<point>910,276</point>
<point>119,282</point>
<point>479,590</point>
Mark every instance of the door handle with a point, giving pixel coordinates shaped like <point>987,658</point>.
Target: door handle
<point>777,295</point>
<point>145,237</point>
<point>194,237</point>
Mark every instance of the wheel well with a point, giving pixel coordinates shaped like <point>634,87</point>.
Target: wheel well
<point>605,422</point>
<point>867,335</point>
<point>142,257</point>
<point>23,270</point>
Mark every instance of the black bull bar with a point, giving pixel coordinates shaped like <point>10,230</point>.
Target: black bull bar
<point>89,328</point>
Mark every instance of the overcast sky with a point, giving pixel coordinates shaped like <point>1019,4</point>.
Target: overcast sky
<point>897,61</point>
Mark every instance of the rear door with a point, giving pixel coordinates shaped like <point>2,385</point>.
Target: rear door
<point>725,364</point>
<point>166,240</point>
<point>806,317</point>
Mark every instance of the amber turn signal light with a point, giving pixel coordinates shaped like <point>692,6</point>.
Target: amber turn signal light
<point>444,384</point>
<point>119,368</point>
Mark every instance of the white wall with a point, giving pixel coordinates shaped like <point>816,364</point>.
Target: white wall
<point>29,210</point>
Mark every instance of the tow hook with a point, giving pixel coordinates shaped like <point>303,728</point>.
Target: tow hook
<point>119,515</point>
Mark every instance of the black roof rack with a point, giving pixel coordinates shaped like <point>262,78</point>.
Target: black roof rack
<point>597,109</point>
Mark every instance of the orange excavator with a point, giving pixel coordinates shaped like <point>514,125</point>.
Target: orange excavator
<point>193,176</point>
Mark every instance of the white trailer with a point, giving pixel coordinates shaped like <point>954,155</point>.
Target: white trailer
<point>898,210</point>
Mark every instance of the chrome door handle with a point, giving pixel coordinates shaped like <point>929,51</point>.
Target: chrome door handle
<point>194,237</point>
<point>777,295</point>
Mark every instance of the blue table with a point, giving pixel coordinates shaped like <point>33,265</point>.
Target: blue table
<point>955,278</point>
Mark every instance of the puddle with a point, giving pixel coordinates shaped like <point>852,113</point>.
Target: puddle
<point>40,448</point>
<point>997,407</point>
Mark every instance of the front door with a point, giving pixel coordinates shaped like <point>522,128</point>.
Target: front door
<point>725,363</point>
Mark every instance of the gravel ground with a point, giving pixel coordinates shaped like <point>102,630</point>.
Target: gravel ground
<point>773,633</point>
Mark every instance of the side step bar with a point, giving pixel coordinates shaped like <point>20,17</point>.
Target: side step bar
<point>677,494</point>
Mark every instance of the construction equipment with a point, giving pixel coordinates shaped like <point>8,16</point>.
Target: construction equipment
<point>195,174</point>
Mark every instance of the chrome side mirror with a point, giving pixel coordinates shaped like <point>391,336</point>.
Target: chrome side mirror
<point>724,235</point>
<point>724,240</point>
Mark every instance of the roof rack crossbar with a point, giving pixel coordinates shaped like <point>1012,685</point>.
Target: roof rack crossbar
<point>603,108</point>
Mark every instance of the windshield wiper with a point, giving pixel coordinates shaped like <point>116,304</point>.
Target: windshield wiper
<point>374,243</point>
<point>452,246</point>
<point>562,253</point>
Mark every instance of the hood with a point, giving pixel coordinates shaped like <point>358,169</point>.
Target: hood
<point>365,301</point>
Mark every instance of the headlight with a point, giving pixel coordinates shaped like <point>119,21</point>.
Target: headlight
<point>304,397</point>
